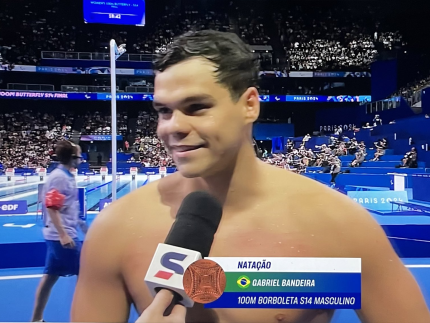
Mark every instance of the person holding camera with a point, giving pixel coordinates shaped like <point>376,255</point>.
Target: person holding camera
<point>360,155</point>
<point>410,160</point>
<point>380,146</point>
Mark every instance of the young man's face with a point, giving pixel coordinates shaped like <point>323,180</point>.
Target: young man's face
<point>198,122</point>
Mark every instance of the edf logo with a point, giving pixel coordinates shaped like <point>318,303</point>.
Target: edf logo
<point>13,207</point>
<point>167,263</point>
<point>9,207</point>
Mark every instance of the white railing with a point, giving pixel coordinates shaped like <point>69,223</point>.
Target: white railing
<point>86,88</point>
<point>139,89</point>
<point>95,56</point>
<point>383,105</point>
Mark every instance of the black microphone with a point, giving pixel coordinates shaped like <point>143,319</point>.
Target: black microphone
<point>190,238</point>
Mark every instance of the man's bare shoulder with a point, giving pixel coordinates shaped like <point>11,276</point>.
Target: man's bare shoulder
<point>323,206</point>
<point>139,205</point>
<point>294,186</point>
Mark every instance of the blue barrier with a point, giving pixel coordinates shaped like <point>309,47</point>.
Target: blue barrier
<point>378,180</point>
<point>348,158</point>
<point>155,170</point>
<point>103,203</point>
<point>28,174</point>
<point>13,207</point>
<point>365,188</point>
<point>421,187</point>
<point>82,203</point>
<point>25,170</point>
<point>381,163</point>
<point>385,170</point>
<point>120,157</point>
<point>124,164</point>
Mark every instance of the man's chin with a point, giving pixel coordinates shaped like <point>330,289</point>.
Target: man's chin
<point>189,171</point>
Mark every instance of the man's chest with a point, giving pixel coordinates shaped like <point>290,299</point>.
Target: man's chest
<point>234,238</point>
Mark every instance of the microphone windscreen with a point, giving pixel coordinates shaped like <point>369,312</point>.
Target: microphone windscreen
<point>196,223</point>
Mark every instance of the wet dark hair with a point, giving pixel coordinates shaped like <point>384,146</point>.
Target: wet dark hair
<point>65,151</point>
<point>237,69</point>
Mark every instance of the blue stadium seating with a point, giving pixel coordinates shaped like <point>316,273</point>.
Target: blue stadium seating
<point>375,173</point>
<point>386,170</point>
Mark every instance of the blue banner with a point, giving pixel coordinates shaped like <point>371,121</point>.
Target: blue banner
<point>30,173</point>
<point>143,72</point>
<point>288,300</point>
<point>378,200</point>
<point>125,12</point>
<point>150,97</point>
<point>342,74</point>
<point>54,70</point>
<point>13,207</point>
<point>99,137</point>
<point>86,70</point>
<point>103,203</point>
<point>149,71</point>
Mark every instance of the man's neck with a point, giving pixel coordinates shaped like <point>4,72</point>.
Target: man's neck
<point>236,185</point>
<point>66,167</point>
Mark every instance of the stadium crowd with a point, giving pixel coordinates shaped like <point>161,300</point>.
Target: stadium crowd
<point>28,138</point>
<point>412,88</point>
<point>332,38</point>
<point>150,149</point>
<point>99,124</point>
<point>297,159</point>
<point>302,37</point>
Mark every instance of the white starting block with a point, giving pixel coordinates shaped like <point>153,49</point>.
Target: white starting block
<point>103,171</point>
<point>42,173</point>
<point>74,171</point>
<point>162,171</point>
<point>10,172</point>
<point>133,172</point>
<point>398,181</point>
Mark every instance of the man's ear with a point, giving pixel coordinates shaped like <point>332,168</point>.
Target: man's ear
<point>251,105</point>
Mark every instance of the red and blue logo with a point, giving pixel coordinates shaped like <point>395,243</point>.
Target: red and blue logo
<point>167,263</point>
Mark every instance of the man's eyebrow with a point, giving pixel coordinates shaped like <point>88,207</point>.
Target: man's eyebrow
<point>188,100</point>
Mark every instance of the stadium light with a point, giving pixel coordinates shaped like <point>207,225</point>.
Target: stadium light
<point>115,53</point>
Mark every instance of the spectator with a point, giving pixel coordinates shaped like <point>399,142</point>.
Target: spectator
<point>29,137</point>
<point>380,146</point>
<point>360,155</point>
<point>377,121</point>
<point>410,160</point>
<point>309,37</point>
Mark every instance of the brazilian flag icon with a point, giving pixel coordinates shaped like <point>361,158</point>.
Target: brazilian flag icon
<point>243,282</point>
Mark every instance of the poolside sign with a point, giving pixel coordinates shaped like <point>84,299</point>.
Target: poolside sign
<point>13,207</point>
<point>378,200</point>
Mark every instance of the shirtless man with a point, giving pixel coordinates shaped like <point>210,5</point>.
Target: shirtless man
<point>207,101</point>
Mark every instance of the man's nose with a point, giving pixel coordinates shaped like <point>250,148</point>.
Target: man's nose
<point>178,124</point>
